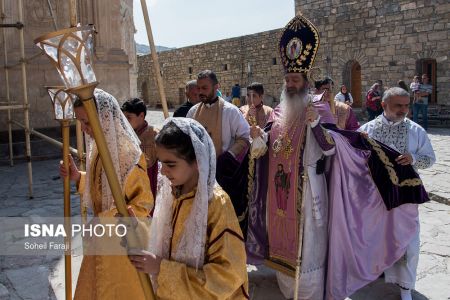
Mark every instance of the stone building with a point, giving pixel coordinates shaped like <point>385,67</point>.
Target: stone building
<point>391,40</point>
<point>114,58</point>
<point>361,42</point>
<point>236,60</point>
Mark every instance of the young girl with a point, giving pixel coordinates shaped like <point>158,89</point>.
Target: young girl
<point>110,276</point>
<point>196,249</point>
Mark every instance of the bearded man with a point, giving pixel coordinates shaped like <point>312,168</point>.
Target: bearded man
<point>336,231</point>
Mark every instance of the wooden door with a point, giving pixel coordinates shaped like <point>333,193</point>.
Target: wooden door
<point>355,86</point>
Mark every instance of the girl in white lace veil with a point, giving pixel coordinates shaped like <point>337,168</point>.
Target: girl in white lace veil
<point>122,142</point>
<point>191,247</point>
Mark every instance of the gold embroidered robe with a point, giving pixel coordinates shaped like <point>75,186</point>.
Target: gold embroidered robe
<point>224,273</point>
<point>113,276</point>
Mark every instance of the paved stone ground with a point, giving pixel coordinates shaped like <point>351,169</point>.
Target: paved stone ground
<point>42,277</point>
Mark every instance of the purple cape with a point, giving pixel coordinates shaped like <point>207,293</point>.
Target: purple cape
<point>366,236</point>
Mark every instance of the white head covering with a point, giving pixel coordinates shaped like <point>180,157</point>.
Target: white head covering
<point>123,145</point>
<point>191,249</point>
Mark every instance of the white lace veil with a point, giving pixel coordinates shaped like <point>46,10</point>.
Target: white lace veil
<point>191,249</point>
<point>123,144</point>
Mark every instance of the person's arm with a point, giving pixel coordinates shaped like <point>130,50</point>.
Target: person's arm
<point>424,157</point>
<point>371,97</point>
<point>240,130</point>
<point>224,272</point>
<point>351,98</point>
<point>323,138</point>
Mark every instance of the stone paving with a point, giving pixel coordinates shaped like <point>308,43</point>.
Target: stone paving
<point>42,277</point>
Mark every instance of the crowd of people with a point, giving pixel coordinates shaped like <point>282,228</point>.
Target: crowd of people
<point>302,187</point>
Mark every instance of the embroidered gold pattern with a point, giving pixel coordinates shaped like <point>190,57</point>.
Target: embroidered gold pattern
<point>390,167</point>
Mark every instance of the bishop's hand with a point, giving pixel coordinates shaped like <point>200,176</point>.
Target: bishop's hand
<point>311,114</point>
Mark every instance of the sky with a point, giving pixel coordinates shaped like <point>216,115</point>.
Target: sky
<point>181,23</point>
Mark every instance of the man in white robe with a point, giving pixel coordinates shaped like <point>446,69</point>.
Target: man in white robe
<point>230,133</point>
<point>395,130</point>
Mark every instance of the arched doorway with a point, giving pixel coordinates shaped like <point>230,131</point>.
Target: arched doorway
<point>352,79</point>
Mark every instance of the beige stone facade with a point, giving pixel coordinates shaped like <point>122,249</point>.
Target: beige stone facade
<point>237,60</point>
<point>114,61</point>
<point>361,42</point>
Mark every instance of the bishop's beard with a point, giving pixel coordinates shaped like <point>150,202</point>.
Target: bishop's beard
<point>292,106</point>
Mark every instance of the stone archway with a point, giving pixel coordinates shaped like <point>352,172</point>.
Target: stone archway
<point>351,76</point>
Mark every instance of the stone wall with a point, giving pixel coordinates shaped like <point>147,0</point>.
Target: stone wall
<point>238,60</point>
<point>361,42</point>
<point>114,61</point>
<point>390,40</point>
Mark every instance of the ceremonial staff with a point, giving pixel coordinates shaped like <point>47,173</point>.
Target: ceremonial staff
<point>79,133</point>
<point>70,51</point>
<point>62,104</point>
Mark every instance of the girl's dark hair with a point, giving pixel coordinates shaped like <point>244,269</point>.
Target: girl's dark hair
<point>171,137</point>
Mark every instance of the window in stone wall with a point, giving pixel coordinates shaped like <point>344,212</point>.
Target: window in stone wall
<point>190,70</point>
<point>225,67</point>
<point>274,61</point>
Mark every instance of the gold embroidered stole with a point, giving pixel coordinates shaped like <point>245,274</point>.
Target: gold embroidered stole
<point>285,194</point>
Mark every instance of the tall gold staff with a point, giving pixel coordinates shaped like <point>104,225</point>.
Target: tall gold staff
<point>70,52</point>
<point>80,142</point>
<point>62,103</point>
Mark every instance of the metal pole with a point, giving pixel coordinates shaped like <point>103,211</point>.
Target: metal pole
<point>8,107</point>
<point>79,133</point>
<point>26,104</point>
<point>8,99</point>
<point>159,78</point>
<point>80,146</point>
<point>46,138</point>
<point>65,128</point>
<point>82,160</point>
